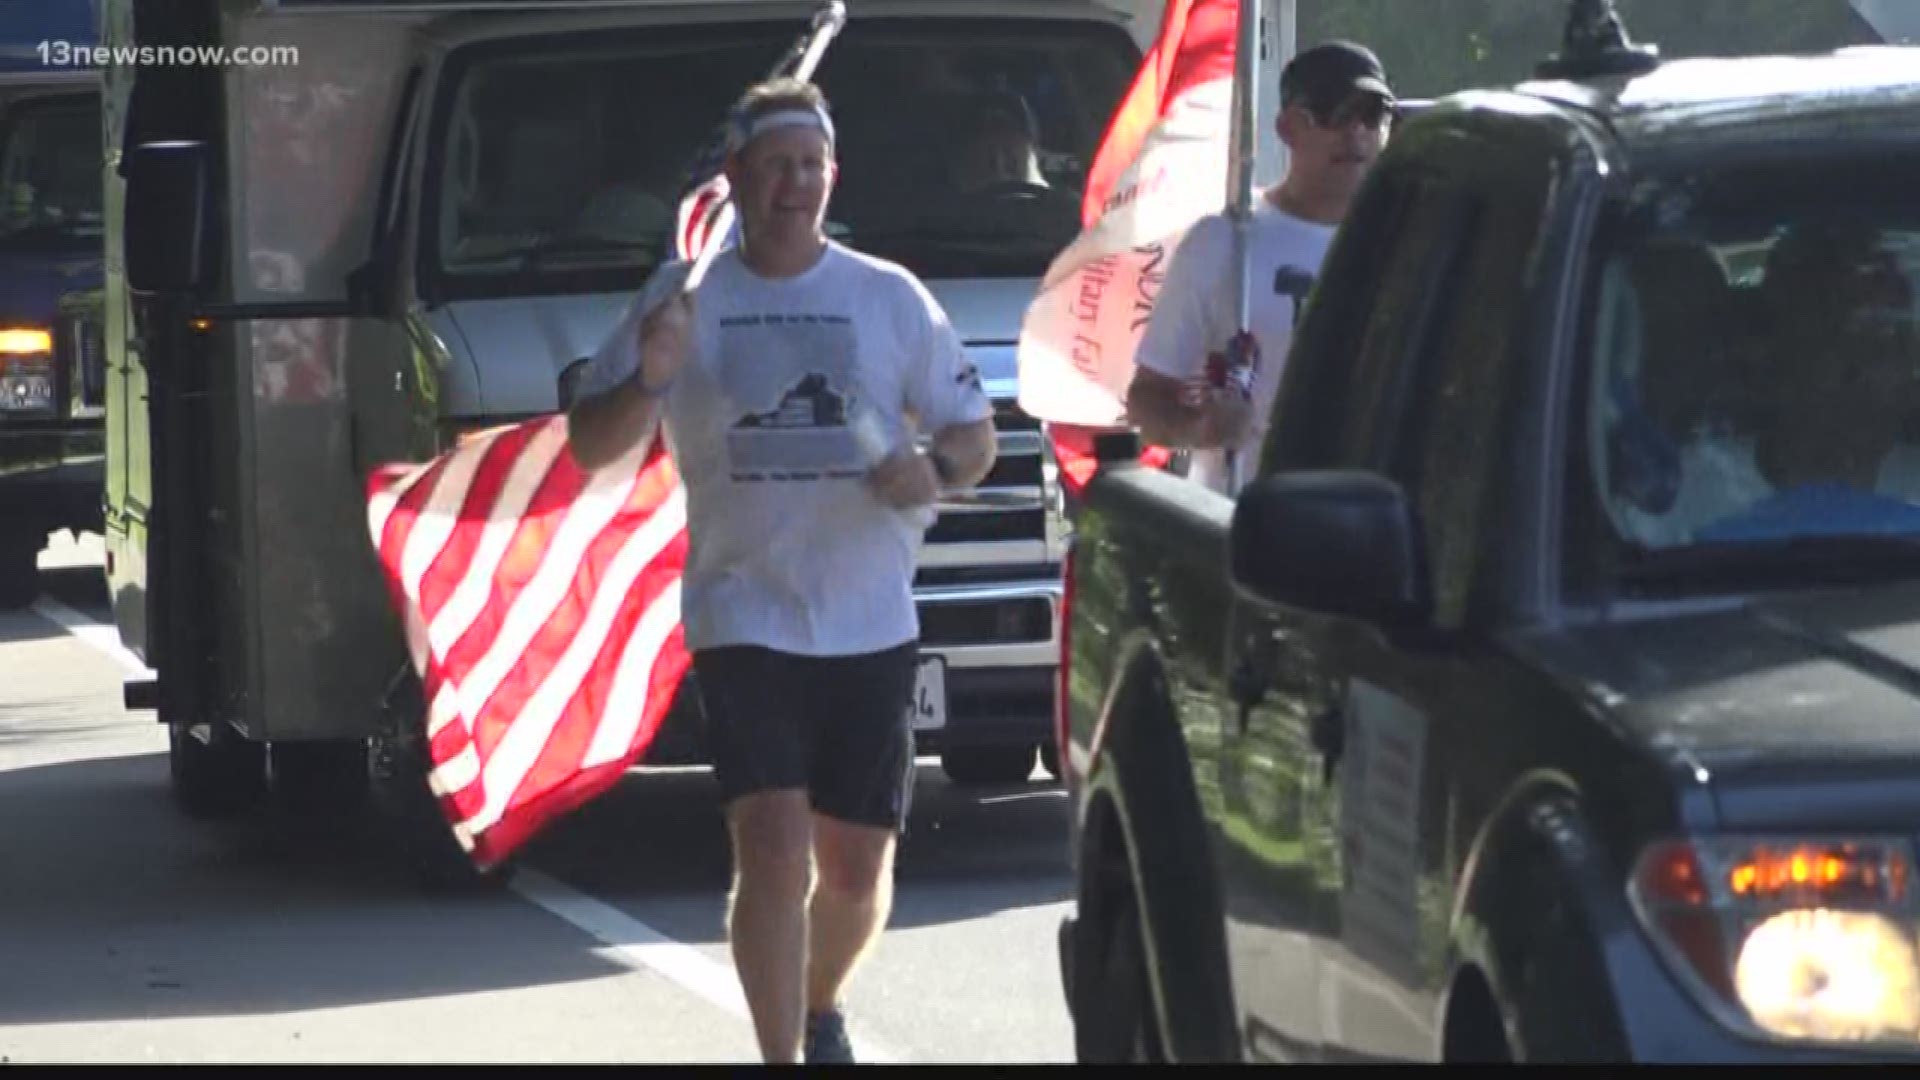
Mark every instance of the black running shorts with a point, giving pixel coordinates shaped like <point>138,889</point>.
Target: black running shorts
<point>837,727</point>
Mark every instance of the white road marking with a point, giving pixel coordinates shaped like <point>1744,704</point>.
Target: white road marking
<point>100,635</point>
<point>628,940</point>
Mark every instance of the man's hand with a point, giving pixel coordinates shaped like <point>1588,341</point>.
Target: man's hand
<point>1189,415</point>
<point>1224,419</point>
<point>665,335</point>
<point>904,480</point>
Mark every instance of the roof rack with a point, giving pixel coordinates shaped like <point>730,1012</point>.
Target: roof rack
<point>1595,44</point>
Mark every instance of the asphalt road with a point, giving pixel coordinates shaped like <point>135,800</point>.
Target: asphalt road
<point>128,933</point>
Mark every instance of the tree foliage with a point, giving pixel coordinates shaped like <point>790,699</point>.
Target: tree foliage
<point>1434,47</point>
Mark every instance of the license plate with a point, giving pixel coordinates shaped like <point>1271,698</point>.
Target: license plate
<point>929,706</point>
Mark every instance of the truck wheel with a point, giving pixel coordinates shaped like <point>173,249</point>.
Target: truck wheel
<point>328,776</point>
<point>215,772</point>
<point>19,573</point>
<point>1113,1018</point>
<point>988,764</point>
<point>409,812</point>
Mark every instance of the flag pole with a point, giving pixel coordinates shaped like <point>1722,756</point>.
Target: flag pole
<point>827,24</point>
<point>1240,166</point>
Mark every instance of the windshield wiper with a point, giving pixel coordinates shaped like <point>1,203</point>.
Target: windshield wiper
<point>1814,559</point>
<point>533,254</point>
<point>980,235</point>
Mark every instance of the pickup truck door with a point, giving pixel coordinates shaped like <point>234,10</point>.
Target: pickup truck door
<point>1416,711</point>
<point>1279,867</point>
<point>1283,762</point>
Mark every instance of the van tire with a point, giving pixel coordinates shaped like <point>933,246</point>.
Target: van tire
<point>19,573</point>
<point>328,777</point>
<point>216,773</point>
<point>408,812</point>
<point>988,764</point>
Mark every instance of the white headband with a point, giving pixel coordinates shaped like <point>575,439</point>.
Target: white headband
<point>745,131</point>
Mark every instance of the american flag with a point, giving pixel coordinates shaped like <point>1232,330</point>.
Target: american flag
<point>541,604</point>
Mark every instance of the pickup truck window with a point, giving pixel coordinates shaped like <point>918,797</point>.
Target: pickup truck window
<point>50,183</point>
<point>963,144</point>
<point>1383,287</point>
<point>1755,371</point>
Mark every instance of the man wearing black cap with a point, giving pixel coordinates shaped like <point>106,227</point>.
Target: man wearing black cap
<point>1335,106</point>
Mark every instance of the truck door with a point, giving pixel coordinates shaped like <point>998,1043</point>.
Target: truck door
<point>1283,739</point>
<point>163,494</point>
<point>1417,718</point>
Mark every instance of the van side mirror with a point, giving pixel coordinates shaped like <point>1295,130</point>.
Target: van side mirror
<point>169,212</point>
<point>570,375</point>
<point>1334,543</point>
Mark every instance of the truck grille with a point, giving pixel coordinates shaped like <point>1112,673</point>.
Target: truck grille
<point>1010,523</point>
<point>985,622</point>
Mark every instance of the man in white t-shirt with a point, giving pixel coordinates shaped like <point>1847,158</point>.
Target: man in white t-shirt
<point>1335,109</point>
<point>792,383</point>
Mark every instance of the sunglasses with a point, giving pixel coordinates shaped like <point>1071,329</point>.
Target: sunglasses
<point>1366,110</point>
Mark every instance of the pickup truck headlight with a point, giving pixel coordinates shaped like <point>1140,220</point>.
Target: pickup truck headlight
<point>1803,939</point>
<point>26,371</point>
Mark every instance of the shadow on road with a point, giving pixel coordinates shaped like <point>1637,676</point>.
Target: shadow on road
<point>968,851</point>
<point>114,907</point>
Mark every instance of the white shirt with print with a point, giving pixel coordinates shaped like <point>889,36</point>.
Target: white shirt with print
<point>788,548</point>
<point>1196,312</point>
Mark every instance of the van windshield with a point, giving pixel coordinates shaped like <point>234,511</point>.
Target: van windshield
<point>50,181</point>
<point>963,145</point>
<point>1756,360</point>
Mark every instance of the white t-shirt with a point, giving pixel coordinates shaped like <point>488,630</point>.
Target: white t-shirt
<point>1196,312</point>
<point>787,546</point>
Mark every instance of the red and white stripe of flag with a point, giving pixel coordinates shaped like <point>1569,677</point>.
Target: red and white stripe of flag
<point>542,607</point>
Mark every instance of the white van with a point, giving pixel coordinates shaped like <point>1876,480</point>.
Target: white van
<point>378,225</point>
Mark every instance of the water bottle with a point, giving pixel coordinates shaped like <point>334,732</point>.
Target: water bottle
<point>870,434</point>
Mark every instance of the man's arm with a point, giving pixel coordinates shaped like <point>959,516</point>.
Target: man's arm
<point>1157,405</point>
<point>966,451</point>
<point>1172,355</point>
<point>604,427</point>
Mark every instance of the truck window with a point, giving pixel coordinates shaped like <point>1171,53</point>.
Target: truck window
<point>50,181</point>
<point>1338,408</point>
<point>963,145</point>
<point>1755,359</point>
<point>1449,451</point>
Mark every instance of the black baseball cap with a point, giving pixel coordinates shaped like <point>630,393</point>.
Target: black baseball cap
<point>1327,74</point>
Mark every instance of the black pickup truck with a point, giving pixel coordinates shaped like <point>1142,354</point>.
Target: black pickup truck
<point>1552,689</point>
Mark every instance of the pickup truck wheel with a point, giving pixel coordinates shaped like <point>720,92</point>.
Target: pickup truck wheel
<point>19,573</point>
<point>1114,1017</point>
<point>987,764</point>
<point>409,812</point>
<point>214,771</point>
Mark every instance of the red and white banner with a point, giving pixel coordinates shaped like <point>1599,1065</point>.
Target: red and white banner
<point>1161,166</point>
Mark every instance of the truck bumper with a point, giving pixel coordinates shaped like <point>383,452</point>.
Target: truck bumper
<point>1002,648</point>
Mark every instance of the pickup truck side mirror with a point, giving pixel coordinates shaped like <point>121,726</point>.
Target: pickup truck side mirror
<point>168,212</point>
<point>1336,543</point>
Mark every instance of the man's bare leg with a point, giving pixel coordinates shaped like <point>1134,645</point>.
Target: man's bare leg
<point>850,903</point>
<point>767,919</point>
